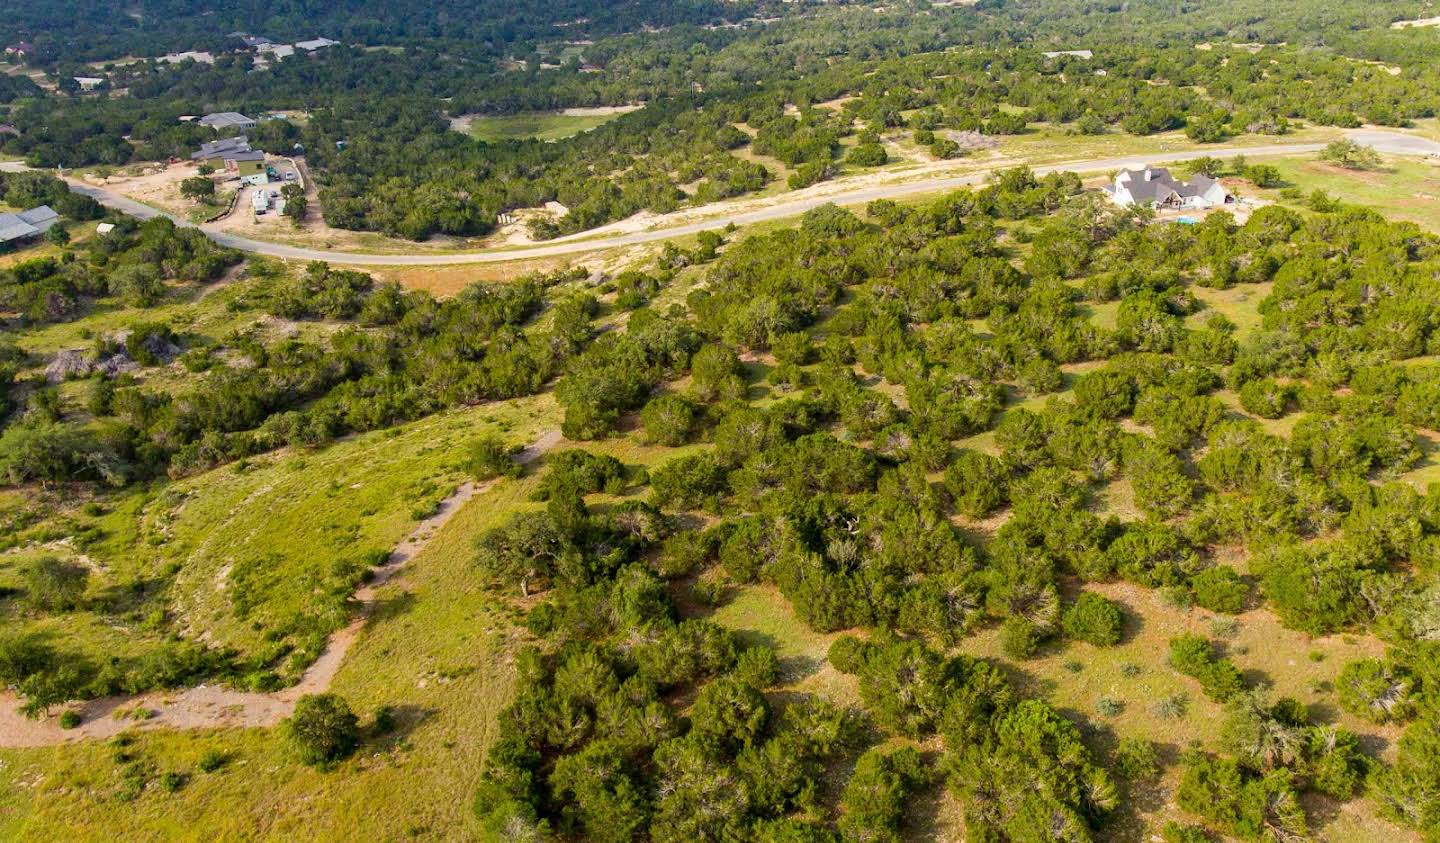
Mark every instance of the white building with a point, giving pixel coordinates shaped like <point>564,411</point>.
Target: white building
<point>1155,186</point>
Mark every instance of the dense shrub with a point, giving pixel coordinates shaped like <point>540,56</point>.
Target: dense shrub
<point>1195,657</point>
<point>1220,589</point>
<point>1093,619</point>
<point>322,730</point>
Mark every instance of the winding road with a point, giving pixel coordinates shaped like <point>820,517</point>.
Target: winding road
<point>726,213</point>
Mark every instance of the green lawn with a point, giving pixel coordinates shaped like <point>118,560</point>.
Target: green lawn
<point>543,126</point>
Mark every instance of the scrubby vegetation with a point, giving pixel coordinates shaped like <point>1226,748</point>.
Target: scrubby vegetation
<point>1010,474</point>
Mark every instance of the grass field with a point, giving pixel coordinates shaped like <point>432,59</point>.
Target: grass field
<point>1044,144</point>
<point>267,537</point>
<point>1406,189</point>
<point>536,126</point>
<point>437,650</point>
<point>248,556</point>
<point>1240,304</point>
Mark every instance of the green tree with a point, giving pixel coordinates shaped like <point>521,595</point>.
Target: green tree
<point>198,189</point>
<point>490,457</point>
<point>1350,155</point>
<point>295,203</point>
<point>322,730</point>
<point>669,420</point>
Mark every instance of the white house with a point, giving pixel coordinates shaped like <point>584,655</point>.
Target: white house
<point>1155,186</point>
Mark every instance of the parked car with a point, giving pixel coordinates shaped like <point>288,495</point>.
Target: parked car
<point>289,176</point>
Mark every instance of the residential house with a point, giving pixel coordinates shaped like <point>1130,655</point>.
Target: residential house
<point>89,83</point>
<point>249,165</point>
<point>223,120</point>
<point>214,153</point>
<point>20,49</point>
<point>234,155</point>
<point>26,225</point>
<point>1155,186</point>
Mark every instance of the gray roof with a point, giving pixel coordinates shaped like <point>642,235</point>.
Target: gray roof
<point>26,223</point>
<point>41,217</point>
<point>247,155</point>
<point>222,148</point>
<point>1152,190</point>
<point>1156,174</point>
<point>1160,184</point>
<point>14,228</point>
<point>1196,186</point>
<point>226,120</point>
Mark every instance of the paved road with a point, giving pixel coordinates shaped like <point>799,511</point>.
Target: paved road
<point>1387,142</point>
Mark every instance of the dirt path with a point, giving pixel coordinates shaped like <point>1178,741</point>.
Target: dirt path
<point>216,706</point>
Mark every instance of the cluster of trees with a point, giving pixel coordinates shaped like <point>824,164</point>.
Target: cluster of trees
<point>133,265</point>
<point>1274,754</point>
<point>594,745</point>
<point>811,487</point>
<point>84,30</point>
<point>403,355</point>
<point>1019,768</point>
